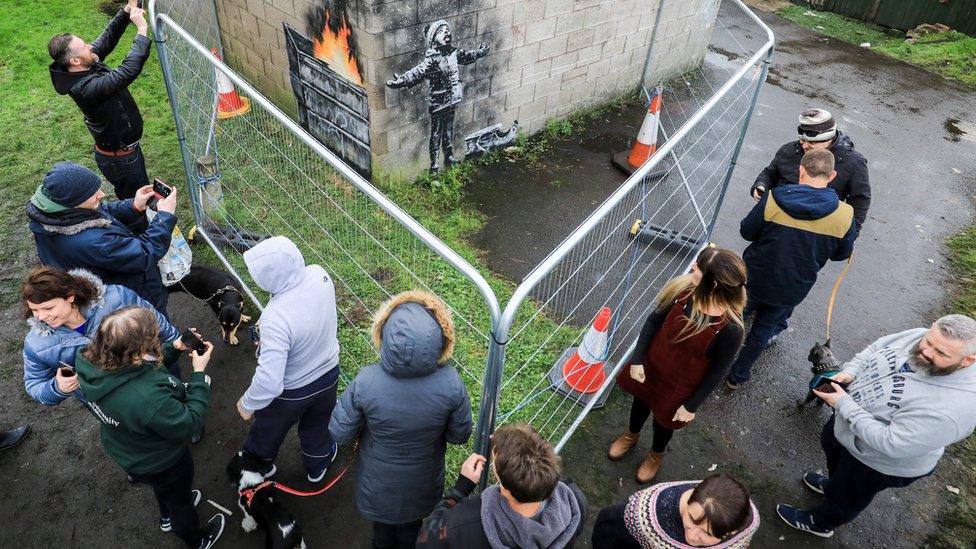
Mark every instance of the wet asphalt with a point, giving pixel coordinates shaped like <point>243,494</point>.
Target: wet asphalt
<point>914,129</point>
<point>61,490</point>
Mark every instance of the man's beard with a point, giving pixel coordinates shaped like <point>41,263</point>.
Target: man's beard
<point>921,365</point>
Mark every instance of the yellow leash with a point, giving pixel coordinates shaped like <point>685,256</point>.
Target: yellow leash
<point>833,294</point>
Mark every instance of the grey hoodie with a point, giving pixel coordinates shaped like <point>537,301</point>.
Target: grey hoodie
<point>555,527</point>
<point>899,422</point>
<point>299,340</point>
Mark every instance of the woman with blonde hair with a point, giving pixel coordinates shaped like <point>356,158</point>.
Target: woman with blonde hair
<point>683,352</point>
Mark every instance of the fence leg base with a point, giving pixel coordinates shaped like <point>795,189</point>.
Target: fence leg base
<point>649,233</point>
<point>620,161</point>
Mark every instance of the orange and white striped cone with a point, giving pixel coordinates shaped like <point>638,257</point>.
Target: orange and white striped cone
<point>229,103</point>
<point>583,371</point>
<point>646,144</point>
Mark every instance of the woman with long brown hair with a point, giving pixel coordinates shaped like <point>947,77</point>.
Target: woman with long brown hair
<point>683,352</point>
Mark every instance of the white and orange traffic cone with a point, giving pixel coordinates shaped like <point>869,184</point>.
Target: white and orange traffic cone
<point>646,144</point>
<point>579,372</point>
<point>229,103</point>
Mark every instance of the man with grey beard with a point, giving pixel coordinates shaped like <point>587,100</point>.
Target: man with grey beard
<point>897,405</point>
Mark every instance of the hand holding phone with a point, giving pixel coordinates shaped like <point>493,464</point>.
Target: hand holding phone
<point>825,385</point>
<point>192,342</point>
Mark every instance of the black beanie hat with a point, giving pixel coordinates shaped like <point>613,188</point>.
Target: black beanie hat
<point>70,184</point>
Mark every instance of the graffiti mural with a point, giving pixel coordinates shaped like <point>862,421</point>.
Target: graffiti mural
<point>440,67</point>
<point>488,139</point>
<point>325,78</point>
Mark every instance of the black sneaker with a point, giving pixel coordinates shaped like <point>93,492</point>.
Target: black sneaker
<point>321,475</point>
<point>772,341</point>
<point>801,520</point>
<point>731,385</point>
<point>166,523</point>
<point>215,527</point>
<point>816,481</point>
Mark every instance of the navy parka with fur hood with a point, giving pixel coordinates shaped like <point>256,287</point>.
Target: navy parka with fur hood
<point>405,409</point>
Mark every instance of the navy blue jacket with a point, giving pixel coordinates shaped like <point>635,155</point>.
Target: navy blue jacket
<point>851,183</point>
<point>105,246</point>
<point>794,230</point>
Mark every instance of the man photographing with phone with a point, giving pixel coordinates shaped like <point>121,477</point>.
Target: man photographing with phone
<point>909,395</point>
<point>102,94</point>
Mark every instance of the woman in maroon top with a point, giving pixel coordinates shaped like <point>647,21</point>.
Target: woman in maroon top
<point>683,352</point>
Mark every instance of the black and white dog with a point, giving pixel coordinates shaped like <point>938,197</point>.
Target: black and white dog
<point>257,499</point>
<point>222,292</point>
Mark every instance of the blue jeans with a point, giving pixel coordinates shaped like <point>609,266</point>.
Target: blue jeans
<point>125,173</point>
<point>768,321</point>
<point>311,408</point>
<point>852,484</point>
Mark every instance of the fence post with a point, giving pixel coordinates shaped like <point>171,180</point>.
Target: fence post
<point>650,47</point>
<point>489,399</point>
<point>162,50</point>
<point>742,137</point>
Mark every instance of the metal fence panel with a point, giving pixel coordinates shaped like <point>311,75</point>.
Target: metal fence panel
<point>259,174</point>
<point>648,231</point>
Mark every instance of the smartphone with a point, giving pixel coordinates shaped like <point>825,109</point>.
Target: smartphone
<point>67,370</point>
<point>161,189</point>
<point>825,385</point>
<point>193,342</point>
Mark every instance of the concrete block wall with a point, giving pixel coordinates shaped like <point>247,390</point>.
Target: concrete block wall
<point>548,58</point>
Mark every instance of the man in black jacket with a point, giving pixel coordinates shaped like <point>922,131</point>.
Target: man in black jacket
<point>529,507</point>
<point>817,130</point>
<point>103,95</point>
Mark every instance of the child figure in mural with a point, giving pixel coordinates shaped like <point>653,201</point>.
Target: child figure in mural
<point>440,68</point>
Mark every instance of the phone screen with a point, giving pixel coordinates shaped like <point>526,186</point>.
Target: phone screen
<point>160,188</point>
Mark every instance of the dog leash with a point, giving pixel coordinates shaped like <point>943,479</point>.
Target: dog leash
<point>249,493</point>
<point>833,294</point>
<point>226,288</point>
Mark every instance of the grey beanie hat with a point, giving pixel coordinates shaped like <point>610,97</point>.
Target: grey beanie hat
<point>816,125</point>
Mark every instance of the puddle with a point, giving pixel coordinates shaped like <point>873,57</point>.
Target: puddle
<point>952,128</point>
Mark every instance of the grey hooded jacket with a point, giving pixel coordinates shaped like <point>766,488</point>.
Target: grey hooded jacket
<point>405,409</point>
<point>896,421</point>
<point>299,342</point>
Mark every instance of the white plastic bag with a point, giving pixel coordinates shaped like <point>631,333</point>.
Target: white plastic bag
<point>178,259</point>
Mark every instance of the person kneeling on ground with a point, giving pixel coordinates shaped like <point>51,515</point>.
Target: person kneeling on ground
<point>529,507</point>
<point>148,417</point>
<point>298,358</point>
<point>683,352</point>
<point>404,438</point>
<point>715,512</point>
<point>908,396</point>
<point>74,229</point>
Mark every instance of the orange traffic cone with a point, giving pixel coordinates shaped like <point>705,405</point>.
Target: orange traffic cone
<point>583,372</point>
<point>646,143</point>
<point>229,104</point>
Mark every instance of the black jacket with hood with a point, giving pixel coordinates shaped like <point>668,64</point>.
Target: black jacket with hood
<point>851,184</point>
<point>102,93</point>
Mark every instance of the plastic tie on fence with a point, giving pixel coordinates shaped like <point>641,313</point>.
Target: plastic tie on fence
<point>579,373</point>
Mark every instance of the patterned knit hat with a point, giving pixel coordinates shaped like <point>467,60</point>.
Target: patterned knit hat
<point>641,520</point>
<point>816,125</point>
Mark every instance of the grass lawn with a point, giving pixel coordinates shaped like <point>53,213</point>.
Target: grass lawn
<point>951,54</point>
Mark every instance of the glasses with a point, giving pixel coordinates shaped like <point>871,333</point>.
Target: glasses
<point>810,132</point>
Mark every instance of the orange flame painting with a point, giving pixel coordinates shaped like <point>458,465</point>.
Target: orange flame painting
<point>333,46</point>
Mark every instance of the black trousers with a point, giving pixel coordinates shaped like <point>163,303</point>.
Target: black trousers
<point>442,137</point>
<point>396,536</point>
<point>610,531</point>
<point>173,490</point>
<point>639,412</point>
<point>852,485</point>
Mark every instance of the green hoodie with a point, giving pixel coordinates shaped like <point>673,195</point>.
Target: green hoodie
<point>147,415</point>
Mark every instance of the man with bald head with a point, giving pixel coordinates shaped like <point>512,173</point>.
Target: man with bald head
<point>897,405</point>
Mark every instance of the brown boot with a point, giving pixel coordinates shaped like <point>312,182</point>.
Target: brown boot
<point>648,468</point>
<point>622,445</point>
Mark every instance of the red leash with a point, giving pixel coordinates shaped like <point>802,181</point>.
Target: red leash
<point>249,493</point>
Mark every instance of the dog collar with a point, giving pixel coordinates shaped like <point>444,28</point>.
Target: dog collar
<point>249,493</point>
